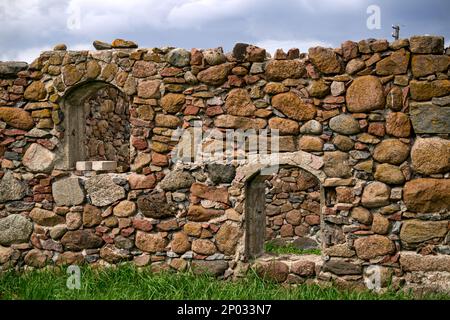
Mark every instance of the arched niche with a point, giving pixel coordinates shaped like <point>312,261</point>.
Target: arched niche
<point>86,107</point>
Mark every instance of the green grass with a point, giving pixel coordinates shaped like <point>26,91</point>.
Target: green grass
<point>270,247</point>
<point>127,282</point>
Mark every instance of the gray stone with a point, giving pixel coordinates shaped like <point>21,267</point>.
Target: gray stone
<point>426,44</point>
<point>336,164</point>
<point>344,124</point>
<point>219,173</point>
<point>11,68</point>
<point>100,45</point>
<point>216,267</point>
<point>155,206</point>
<point>311,127</point>
<point>37,133</point>
<point>177,179</point>
<point>123,243</point>
<point>38,159</point>
<point>304,243</point>
<point>441,101</point>
<point>214,56</point>
<point>67,192</point>
<point>19,206</point>
<point>341,267</point>
<point>15,229</point>
<point>337,88</point>
<point>103,191</point>
<point>429,118</point>
<point>179,57</point>
<point>11,188</point>
<point>58,231</point>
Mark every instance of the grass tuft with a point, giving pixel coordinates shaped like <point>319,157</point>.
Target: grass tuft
<point>129,282</point>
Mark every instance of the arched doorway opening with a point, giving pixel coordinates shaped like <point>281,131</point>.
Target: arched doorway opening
<point>282,210</point>
<point>96,126</point>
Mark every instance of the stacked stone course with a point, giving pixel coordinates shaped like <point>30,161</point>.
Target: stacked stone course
<point>370,121</point>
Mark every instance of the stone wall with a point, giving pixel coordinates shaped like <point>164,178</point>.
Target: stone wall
<point>108,128</point>
<point>370,120</point>
<point>293,207</point>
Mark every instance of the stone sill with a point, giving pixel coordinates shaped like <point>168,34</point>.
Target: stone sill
<point>96,165</point>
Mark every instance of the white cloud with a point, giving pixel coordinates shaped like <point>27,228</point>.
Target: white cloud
<point>27,55</point>
<point>272,45</point>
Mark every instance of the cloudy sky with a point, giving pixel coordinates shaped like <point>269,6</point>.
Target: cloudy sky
<point>28,27</point>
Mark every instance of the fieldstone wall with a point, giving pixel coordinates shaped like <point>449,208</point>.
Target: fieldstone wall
<point>108,128</point>
<point>370,120</point>
<point>293,208</point>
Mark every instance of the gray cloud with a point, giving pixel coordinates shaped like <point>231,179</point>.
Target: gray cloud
<point>30,26</point>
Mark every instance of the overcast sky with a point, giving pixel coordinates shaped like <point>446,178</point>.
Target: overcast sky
<point>28,27</point>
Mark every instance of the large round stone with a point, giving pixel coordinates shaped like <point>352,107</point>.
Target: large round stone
<point>172,102</point>
<point>103,191</point>
<point>344,124</point>
<point>15,229</point>
<point>150,242</point>
<point>376,194</point>
<point>227,238</point>
<point>274,270</point>
<point>81,239</point>
<point>238,103</point>
<point>203,246</point>
<point>215,75</point>
<point>16,117</point>
<point>373,246</point>
<point>149,89</point>
<point>278,70</point>
<point>46,218</point>
<point>12,188</point>
<point>35,91</point>
<point>427,195</point>
<point>38,159</point>
<point>389,174</point>
<point>326,60</point>
<point>67,192</point>
<point>285,126</point>
<point>431,155</point>
<point>155,206</point>
<point>365,94</point>
<point>392,151</point>
<point>416,231</point>
<point>398,125</point>
<point>220,173</point>
<point>336,164</point>
<point>180,243</point>
<point>293,107</point>
<point>142,69</point>
<point>179,57</point>
<point>177,179</point>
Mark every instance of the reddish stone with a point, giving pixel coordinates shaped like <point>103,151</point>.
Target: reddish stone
<point>139,181</point>
<point>209,192</point>
<point>126,232</point>
<point>214,111</point>
<point>142,224</point>
<point>312,220</point>
<point>139,143</point>
<point>235,81</point>
<point>191,110</point>
<point>170,72</point>
<point>196,57</point>
<point>376,128</point>
<point>159,159</point>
